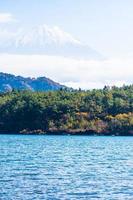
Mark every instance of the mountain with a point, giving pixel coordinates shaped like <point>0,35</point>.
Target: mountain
<point>9,82</point>
<point>45,40</point>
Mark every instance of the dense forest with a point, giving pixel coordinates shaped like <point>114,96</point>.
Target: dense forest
<point>99,111</point>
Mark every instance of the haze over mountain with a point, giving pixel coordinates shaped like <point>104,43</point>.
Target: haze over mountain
<point>9,82</point>
<point>45,40</point>
<point>83,44</point>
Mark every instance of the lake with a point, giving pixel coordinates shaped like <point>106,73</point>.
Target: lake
<point>66,167</point>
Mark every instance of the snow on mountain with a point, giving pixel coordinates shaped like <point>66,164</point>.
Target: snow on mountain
<point>45,40</point>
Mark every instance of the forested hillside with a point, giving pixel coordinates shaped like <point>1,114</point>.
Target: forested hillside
<point>105,111</point>
<point>8,82</point>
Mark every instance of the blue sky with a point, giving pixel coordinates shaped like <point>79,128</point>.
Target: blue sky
<point>106,26</point>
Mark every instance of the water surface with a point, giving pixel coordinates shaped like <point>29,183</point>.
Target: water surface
<point>66,167</point>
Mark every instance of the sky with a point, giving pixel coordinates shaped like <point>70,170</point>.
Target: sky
<point>104,27</point>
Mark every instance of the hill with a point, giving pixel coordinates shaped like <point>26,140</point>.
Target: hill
<point>9,82</point>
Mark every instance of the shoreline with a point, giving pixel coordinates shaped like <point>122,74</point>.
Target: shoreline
<point>68,132</point>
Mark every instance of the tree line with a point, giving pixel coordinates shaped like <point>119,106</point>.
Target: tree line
<point>98,111</point>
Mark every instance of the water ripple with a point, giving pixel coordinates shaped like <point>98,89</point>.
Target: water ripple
<point>68,168</point>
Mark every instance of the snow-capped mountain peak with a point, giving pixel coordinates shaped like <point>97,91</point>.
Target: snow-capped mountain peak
<point>45,40</point>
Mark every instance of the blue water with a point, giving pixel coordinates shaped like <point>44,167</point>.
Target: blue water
<point>66,167</point>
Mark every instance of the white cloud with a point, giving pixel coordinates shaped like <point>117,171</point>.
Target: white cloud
<point>6,17</point>
<point>75,73</point>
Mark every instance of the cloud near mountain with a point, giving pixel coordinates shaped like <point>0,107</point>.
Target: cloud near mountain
<point>6,18</point>
<point>70,72</point>
<point>45,40</point>
<point>51,52</point>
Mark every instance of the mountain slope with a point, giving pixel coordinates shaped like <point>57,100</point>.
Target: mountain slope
<point>45,40</point>
<point>9,82</point>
